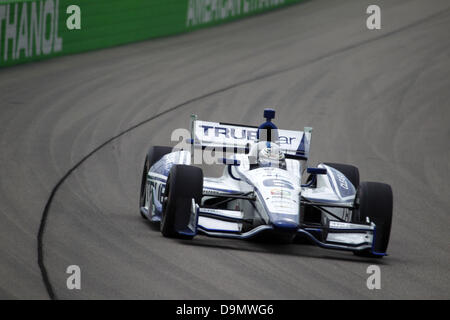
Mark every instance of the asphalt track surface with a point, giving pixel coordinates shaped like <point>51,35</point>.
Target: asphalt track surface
<point>74,132</point>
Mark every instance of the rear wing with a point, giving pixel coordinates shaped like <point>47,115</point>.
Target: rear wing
<point>206,134</point>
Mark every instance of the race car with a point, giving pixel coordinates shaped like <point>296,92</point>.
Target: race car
<point>260,193</point>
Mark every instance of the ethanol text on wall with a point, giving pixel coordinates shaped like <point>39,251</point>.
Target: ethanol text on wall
<point>29,29</point>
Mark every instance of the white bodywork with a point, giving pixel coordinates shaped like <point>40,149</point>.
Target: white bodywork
<point>264,198</point>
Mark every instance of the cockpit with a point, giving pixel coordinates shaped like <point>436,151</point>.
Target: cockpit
<point>266,154</point>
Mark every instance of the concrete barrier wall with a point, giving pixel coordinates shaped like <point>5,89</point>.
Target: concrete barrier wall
<point>31,30</point>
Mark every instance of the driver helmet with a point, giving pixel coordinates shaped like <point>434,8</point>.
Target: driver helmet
<point>270,155</point>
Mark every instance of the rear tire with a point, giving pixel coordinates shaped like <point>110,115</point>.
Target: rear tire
<point>154,154</point>
<point>375,201</point>
<point>183,184</point>
<point>351,172</point>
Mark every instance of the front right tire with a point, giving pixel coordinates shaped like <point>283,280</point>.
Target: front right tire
<point>374,201</point>
<point>183,184</point>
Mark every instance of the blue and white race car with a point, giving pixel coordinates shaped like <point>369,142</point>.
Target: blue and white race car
<point>260,193</point>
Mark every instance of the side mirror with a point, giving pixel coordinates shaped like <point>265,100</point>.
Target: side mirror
<point>316,171</point>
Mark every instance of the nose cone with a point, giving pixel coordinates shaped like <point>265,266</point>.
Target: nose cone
<point>285,224</point>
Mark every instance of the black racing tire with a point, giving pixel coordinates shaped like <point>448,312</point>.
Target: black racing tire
<point>375,201</point>
<point>183,184</point>
<point>154,154</point>
<point>351,172</point>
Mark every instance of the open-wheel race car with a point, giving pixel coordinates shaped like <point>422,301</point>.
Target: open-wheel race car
<point>260,193</point>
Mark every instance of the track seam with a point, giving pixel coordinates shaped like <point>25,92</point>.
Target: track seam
<point>40,236</point>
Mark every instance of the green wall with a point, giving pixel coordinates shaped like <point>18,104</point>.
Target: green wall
<point>31,30</point>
